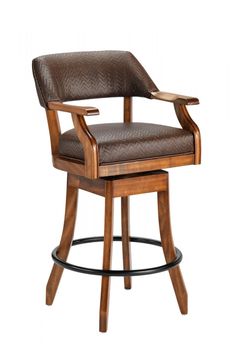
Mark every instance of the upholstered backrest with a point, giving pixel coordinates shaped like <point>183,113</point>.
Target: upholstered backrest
<point>86,75</point>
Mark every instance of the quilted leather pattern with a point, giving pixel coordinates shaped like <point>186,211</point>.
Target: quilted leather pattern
<point>86,75</point>
<point>121,142</point>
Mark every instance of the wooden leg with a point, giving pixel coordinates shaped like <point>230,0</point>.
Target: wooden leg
<point>65,243</point>
<point>107,251</point>
<point>125,239</point>
<point>169,251</point>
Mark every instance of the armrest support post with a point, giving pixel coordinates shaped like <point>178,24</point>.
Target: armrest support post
<point>188,124</point>
<point>90,146</point>
<point>180,102</point>
<point>89,143</point>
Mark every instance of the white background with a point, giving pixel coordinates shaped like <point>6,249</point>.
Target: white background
<point>187,47</point>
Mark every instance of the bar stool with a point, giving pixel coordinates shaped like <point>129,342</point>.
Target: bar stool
<point>113,160</point>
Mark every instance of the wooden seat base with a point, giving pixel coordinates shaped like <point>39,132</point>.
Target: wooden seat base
<point>110,187</point>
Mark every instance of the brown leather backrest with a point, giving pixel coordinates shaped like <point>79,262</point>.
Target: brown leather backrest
<point>86,75</point>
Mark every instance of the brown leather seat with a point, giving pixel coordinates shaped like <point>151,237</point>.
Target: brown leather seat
<point>120,142</point>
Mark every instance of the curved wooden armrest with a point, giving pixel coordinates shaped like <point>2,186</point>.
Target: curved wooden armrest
<point>89,143</point>
<point>174,98</point>
<point>73,109</point>
<point>188,124</point>
<point>90,146</point>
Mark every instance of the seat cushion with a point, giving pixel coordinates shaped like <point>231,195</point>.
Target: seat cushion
<point>122,142</point>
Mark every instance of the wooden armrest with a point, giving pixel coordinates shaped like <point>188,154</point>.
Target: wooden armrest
<point>73,109</point>
<point>174,98</point>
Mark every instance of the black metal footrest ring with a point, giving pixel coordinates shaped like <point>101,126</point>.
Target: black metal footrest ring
<point>117,273</point>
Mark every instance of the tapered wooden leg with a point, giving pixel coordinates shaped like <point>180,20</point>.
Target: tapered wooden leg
<point>107,251</point>
<point>169,251</point>
<point>65,243</point>
<point>125,239</point>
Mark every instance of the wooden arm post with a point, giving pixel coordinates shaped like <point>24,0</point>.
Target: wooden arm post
<point>86,138</point>
<point>186,122</point>
<point>89,145</point>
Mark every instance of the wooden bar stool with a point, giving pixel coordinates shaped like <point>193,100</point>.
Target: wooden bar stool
<point>113,160</point>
